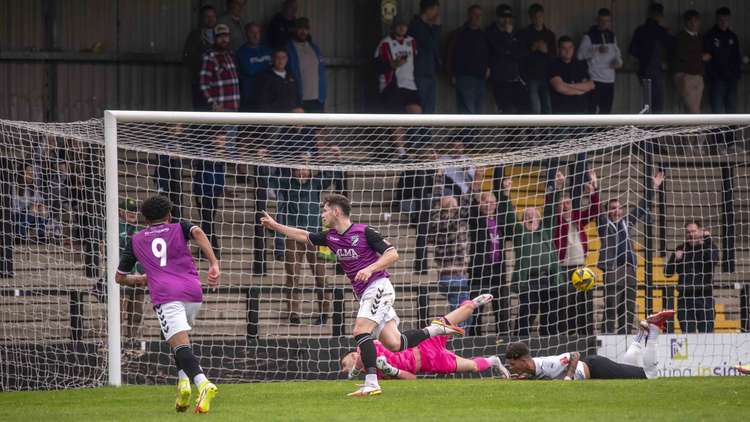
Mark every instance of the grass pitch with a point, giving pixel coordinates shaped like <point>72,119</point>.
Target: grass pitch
<point>686,399</point>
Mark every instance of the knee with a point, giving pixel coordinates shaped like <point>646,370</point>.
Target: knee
<point>390,344</point>
<point>358,330</point>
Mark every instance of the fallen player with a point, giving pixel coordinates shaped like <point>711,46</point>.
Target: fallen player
<point>430,356</point>
<point>640,358</point>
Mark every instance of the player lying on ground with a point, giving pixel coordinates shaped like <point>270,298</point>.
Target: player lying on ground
<point>364,255</point>
<point>175,288</point>
<point>430,356</point>
<point>640,358</point>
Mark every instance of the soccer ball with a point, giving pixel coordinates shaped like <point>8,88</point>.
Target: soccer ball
<point>583,279</point>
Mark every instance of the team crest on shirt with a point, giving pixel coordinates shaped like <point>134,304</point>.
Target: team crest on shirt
<point>355,239</point>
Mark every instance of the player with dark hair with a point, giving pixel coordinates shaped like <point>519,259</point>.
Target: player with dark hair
<point>364,255</point>
<point>430,356</point>
<point>640,358</point>
<point>175,288</point>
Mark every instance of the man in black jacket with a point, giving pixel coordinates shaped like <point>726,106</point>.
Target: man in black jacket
<point>505,56</point>
<point>426,31</point>
<point>281,25</point>
<point>277,89</point>
<point>723,70</point>
<point>694,262</point>
<point>486,261</point>
<point>540,48</point>
<point>468,63</point>
<point>650,44</point>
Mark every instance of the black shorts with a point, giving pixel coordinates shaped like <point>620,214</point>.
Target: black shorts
<point>606,369</point>
<point>395,99</point>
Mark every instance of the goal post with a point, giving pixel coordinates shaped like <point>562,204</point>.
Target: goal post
<point>433,185</point>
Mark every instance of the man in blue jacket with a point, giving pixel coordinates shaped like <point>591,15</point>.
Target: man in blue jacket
<point>252,59</point>
<point>306,65</point>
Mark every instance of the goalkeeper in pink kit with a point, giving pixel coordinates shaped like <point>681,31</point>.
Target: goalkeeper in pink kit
<point>430,356</point>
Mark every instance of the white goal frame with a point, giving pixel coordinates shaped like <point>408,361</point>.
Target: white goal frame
<point>113,117</point>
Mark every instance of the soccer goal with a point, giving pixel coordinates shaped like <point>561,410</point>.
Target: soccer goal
<point>655,206</point>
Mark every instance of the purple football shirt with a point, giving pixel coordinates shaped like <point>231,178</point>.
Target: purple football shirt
<point>356,248</point>
<point>164,253</point>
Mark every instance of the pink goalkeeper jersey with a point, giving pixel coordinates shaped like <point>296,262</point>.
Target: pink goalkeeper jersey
<point>404,360</point>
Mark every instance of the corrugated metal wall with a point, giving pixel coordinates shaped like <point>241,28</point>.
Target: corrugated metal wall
<point>344,29</point>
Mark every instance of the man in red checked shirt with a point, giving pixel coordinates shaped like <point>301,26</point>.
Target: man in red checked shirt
<point>219,81</point>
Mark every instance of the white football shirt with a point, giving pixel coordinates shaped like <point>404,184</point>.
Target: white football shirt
<point>553,367</point>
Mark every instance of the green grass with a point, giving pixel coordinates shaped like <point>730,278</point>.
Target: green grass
<point>687,399</point>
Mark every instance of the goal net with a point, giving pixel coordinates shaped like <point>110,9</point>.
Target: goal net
<point>655,206</point>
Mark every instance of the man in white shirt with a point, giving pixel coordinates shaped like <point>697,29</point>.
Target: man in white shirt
<point>640,358</point>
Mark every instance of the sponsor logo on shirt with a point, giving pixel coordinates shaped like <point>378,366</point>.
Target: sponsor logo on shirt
<point>347,253</point>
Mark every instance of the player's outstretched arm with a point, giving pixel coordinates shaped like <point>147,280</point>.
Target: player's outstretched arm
<point>389,370</point>
<point>298,235</point>
<point>133,280</point>
<point>199,236</point>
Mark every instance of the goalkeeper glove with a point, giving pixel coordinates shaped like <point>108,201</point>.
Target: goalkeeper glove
<point>385,367</point>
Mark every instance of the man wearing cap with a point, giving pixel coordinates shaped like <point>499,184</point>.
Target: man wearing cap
<point>505,56</point>
<point>395,66</point>
<point>219,81</point>
<point>425,29</point>
<point>306,66</point>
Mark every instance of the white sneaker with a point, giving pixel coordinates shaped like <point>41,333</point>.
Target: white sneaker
<point>366,391</point>
<point>497,364</point>
<point>446,329</point>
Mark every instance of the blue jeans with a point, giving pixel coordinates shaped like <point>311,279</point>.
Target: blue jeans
<point>427,88</point>
<point>470,94</point>
<point>539,97</point>
<point>723,96</point>
<point>456,288</point>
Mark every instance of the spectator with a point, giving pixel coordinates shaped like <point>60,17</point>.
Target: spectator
<point>569,78</point>
<point>262,180</point>
<point>31,215</point>
<point>448,235</point>
<point>281,27</point>
<point>426,31</point>
<point>539,50</point>
<point>395,65</point>
<point>468,63</point>
<point>208,187</point>
<point>723,70</point>
<point>487,272</point>
<point>219,81</point>
<point>688,62</point>
<point>650,44</point>
<point>234,20</point>
<point>458,179</point>
<point>694,262</point>
<point>168,171</point>
<point>569,234</point>
<point>307,67</point>
<point>536,273</point>
<point>303,210</point>
<point>198,42</point>
<point>599,49</point>
<point>277,89</point>
<point>617,260</point>
<point>253,58</point>
<point>505,57</point>
<point>414,193</point>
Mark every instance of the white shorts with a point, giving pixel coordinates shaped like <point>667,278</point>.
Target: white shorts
<point>376,304</point>
<point>176,316</point>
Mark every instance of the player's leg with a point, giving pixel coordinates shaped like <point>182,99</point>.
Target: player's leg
<point>467,308</point>
<point>601,367</point>
<point>363,328</point>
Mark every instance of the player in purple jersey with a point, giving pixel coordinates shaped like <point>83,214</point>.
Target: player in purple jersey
<point>174,285</point>
<point>365,255</point>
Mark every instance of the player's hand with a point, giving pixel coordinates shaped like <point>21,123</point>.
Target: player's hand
<point>507,185</point>
<point>658,179</point>
<point>267,221</point>
<point>363,275</point>
<point>213,275</point>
